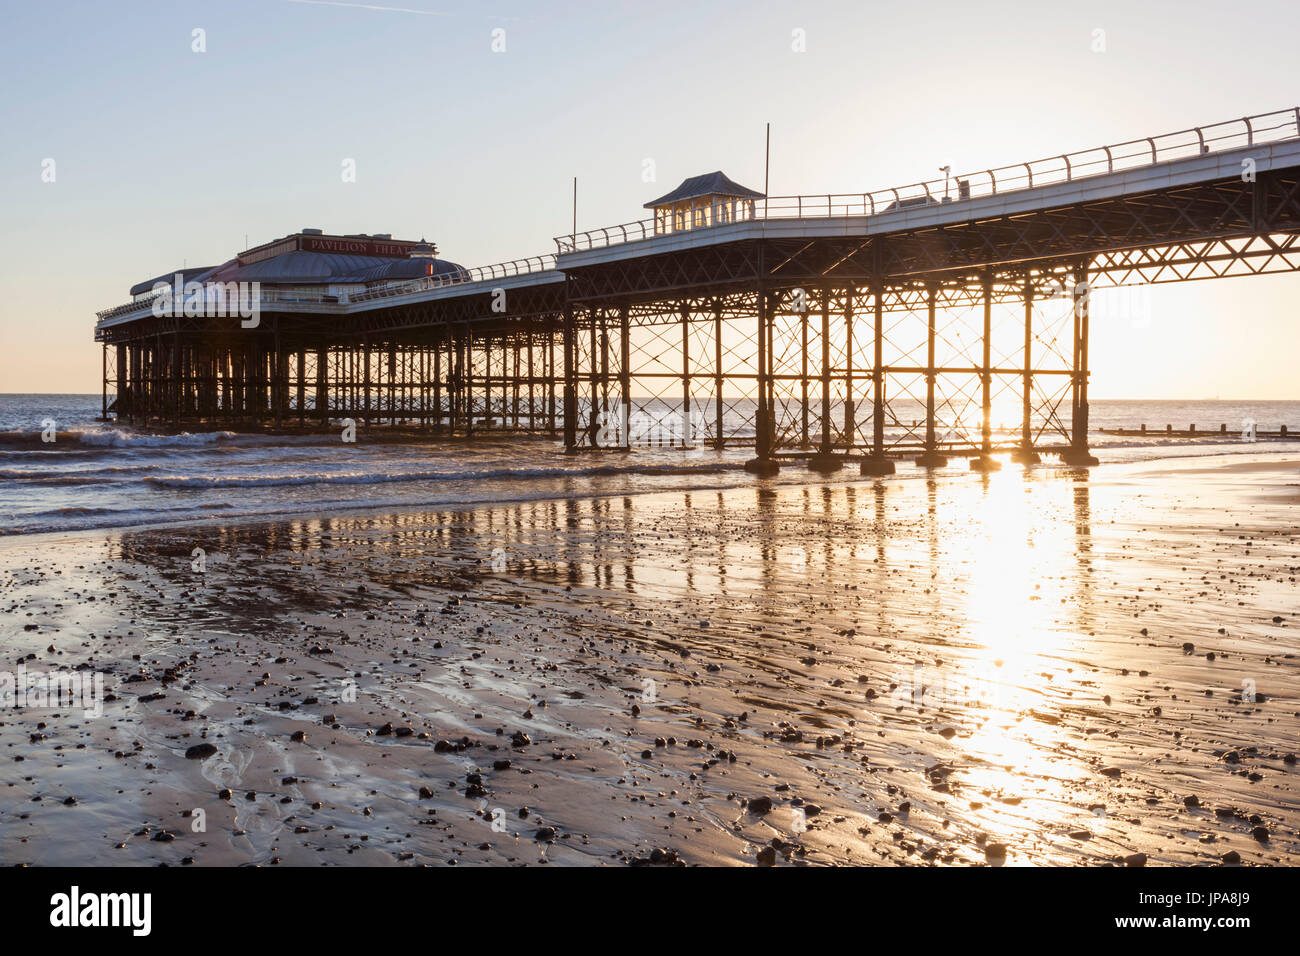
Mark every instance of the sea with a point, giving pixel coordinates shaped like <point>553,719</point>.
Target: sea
<point>102,474</point>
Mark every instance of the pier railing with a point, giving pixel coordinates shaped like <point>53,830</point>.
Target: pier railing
<point>1067,167</point>
<point>499,270</point>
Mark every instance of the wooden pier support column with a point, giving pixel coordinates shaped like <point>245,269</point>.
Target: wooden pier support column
<point>425,374</point>
<point>136,378</point>
<point>984,461</point>
<point>485,378</point>
<point>281,393</point>
<point>267,373</point>
<point>248,367</point>
<point>301,397</point>
<point>804,440</point>
<point>176,385</point>
<point>196,380</point>
<point>365,378</point>
<point>126,374</point>
<point>438,342</point>
<point>453,379</point>
<point>824,461</point>
<point>604,374</point>
<point>247,386</point>
<point>763,464</point>
<point>570,382</point>
<point>133,381</point>
<point>235,381</point>
<point>532,384</point>
<point>322,385</point>
<point>507,348</point>
<point>227,390</point>
<point>1078,453</point>
<point>457,389</point>
<point>596,317</point>
<point>392,383</point>
<point>214,383</point>
<point>144,382</point>
<point>1025,454</point>
<point>719,440</point>
<point>467,405</point>
<point>280,376</point>
<point>930,458</point>
<point>850,424</point>
<point>276,383</point>
<point>254,369</point>
<point>688,440</point>
<point>503,399</point>
<point>346,380</point>
<point>123,391</point>
<point>516,351</point>
<point>247,402</point>
<point>625,377</point>
<point>877,464</point>
<point>549,362</point>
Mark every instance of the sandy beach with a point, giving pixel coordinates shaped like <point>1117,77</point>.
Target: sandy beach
<point>1033,667</point>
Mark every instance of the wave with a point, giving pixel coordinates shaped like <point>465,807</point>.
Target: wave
<point>121,438</point>
<point>73,512</point>
<point>99,469</point>
<point>55,479</point>
<point>111,438</point>
<point>81,518</point>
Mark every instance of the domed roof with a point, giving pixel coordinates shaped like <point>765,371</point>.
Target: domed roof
<point>417,268</point>
<point>317,268</point>
<point>330,260</point>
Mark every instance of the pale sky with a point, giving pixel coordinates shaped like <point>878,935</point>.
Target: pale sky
<point>165,156</point>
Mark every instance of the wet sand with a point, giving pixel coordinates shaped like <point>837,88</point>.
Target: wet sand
<point>1037,667</point>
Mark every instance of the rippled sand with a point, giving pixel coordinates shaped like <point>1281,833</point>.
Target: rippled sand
<point>1036,667</point>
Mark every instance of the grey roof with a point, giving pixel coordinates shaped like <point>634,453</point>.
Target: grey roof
<point>296,266</point>
<point>710,184</point>
<point>187,275</point>
<point>418,266</point>
<point>315,268</point>
<point>414,268</point>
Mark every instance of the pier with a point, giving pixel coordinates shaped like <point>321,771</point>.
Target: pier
<point>820,329</point>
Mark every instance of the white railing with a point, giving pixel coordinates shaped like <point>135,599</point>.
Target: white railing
<point>266,296</point>
<point>500,270</point>
<point>1068,167</point>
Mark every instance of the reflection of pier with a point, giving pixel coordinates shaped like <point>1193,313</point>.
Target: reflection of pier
<point>824,328</point>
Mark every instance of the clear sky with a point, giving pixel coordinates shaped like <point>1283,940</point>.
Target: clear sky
<point>165,156</point>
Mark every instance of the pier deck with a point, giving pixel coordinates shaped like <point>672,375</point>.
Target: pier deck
<point>830,328</point>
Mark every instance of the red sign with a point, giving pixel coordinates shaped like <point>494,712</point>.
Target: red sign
<point>357,247</point>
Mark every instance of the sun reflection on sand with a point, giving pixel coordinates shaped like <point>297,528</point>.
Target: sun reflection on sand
<point>1019,575</point>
